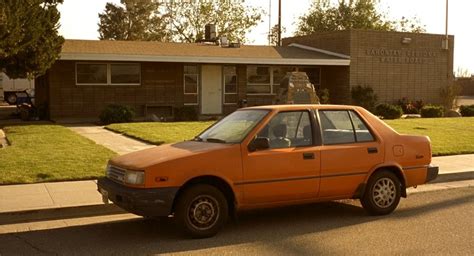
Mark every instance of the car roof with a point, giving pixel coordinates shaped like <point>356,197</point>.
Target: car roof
<point>303,106</point>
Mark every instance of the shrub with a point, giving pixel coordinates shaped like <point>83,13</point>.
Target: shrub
<point>467,110</point>
<point>432,111</point>
<point>323,95</point>
<point>410,107</point>
<point>449,94</point>
<point>187,113</point>
<point>114,113</point>
<point>365,97</point>
<point>389,111</point>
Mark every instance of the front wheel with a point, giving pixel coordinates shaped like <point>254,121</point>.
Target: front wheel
<point>201,211</point>
<point>382,194</point>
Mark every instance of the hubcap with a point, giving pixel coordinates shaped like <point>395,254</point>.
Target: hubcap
<point>384,192</point>
<point>203,212</point>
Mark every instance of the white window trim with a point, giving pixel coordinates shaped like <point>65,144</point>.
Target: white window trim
<point>197,87</point>
<point>109,75</point>
<point>270,69</point>
<point>236,85</point>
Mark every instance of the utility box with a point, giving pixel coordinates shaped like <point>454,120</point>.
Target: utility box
<point>295,88</point>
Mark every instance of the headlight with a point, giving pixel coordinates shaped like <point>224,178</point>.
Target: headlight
<point>134,178</point>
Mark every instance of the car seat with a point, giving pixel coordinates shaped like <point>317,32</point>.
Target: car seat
<point>280,140</point>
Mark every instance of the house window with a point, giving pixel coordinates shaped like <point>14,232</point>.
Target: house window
<point>91,73</point>
<point>230,84</point>
<point>191,84</point>
<point>230,80</point>
<point>259,80</point>
<point>125,73</point>
<point>108,74</point>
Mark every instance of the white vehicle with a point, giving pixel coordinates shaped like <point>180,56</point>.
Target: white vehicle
<point>12,86</point>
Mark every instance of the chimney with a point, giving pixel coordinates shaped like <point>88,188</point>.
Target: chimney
<point>210,32</point>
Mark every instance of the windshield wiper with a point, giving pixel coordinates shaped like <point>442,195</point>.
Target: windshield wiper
<point>215,140</point>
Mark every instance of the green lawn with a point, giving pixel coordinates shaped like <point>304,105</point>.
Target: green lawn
<point>449,136</point>
<point>159,133</point>
<point>40,153</point>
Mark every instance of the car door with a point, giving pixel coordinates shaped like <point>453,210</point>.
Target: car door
<point>350,150</point>
<point>289,169</point>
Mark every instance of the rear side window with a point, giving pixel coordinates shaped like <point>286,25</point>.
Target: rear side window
<point>362,132</point>
<point>342,127</point>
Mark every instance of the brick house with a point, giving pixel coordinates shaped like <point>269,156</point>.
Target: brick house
<point>158,78</point>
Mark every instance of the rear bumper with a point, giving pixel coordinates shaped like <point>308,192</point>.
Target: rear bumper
<point>431,173</point>
<point>150,202</point>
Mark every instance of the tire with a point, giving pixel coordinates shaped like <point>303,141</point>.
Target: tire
<point>382,193</point>
<point>201,211</point>
<point>11,98</point>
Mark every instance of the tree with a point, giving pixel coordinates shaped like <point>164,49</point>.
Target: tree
<point>351,14</point>
<point>133,20</point>
<point>273,36</point>
<point>29,40</point>
<point>232,19</point>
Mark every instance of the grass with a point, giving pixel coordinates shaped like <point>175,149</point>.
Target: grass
<point>160,133</point>
<point>449,136</point>
<point>41,153</point>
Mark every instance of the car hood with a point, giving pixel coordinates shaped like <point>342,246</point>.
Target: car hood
<point>140,160</point>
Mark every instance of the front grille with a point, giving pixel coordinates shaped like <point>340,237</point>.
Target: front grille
<point>116,173</point>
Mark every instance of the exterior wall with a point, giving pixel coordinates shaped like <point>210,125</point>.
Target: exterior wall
<point>415,70</point>
<point>161,85</point>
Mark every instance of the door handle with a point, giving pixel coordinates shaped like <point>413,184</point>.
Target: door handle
<point>372,150</point>
<point>308,156</point>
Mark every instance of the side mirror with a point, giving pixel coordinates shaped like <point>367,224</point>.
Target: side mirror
<point>259,143</point>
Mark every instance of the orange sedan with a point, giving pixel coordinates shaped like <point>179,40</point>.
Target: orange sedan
<point>270,156</point>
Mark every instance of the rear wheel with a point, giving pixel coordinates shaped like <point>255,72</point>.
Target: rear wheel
<point>382,194</point>
<point>11,98</point>
<point>201,211</point>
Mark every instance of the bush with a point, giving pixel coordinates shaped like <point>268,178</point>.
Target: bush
<point>432,111</point>
<point>323,95</point>
<point>449,94</point>
<point>187,113</point>
<point>365,97</point>
<point>410,107</point>
<point>114,113</point>
<point>389,111</point>
<point>466,110</point>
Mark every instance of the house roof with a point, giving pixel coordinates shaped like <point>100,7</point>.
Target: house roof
<point>105,50</point>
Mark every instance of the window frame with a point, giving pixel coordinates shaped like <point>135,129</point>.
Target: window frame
<point>198,86</point>
<point>270,84</point>
<point>315,139</point>
<point>224,84</point>
<point>109,74</point>
<point>375,138</point>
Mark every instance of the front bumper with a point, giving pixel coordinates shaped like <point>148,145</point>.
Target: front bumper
<point>150,202</point>
<point>431,173</point>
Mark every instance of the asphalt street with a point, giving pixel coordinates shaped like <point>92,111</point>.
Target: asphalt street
<point>428,223</point>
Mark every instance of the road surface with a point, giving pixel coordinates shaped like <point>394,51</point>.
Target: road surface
<point>428,223</point>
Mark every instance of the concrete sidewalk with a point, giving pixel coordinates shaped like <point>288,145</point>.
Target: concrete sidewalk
<point>111,140</point>
<point>16,199</point>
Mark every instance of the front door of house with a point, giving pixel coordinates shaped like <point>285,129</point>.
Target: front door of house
<point>211,92</point>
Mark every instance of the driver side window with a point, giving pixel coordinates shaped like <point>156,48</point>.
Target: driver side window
<point>289,129</point>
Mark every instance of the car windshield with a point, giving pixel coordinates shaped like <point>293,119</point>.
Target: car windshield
<point>234,127</point>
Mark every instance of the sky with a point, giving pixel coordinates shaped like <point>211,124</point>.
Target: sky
<point>79,19</point>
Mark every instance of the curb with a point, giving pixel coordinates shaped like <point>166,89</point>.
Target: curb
<point>59,213</point>
<point>111,209</point>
